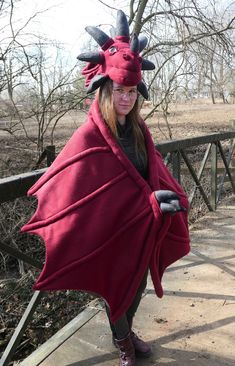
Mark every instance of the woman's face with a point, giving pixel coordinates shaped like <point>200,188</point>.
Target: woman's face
<point>124,98</point>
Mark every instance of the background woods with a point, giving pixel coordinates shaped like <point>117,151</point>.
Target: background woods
<point>191,43</point>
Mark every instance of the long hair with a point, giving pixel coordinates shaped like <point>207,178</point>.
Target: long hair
<point>105,99</point>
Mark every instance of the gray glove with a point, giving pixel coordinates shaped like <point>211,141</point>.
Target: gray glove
<point>168,201</point>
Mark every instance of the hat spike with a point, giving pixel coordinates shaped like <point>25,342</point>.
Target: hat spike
<point>99,36</point>
<point>93,57</point>
<point>96,82</point>
<point>122,26</point>
<point>134,46</point>
<point>147,65</point>
<point>142,88</point>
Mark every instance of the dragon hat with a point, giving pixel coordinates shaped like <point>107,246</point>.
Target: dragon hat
<point>118,59</point>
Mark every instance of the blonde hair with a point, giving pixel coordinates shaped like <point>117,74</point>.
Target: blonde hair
<point>105,98</point>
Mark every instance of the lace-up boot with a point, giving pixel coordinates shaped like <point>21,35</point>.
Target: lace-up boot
<point>126,351</point>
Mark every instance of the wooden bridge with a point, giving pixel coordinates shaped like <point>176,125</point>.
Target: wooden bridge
<point>85,341</point>
<point>193,324</point>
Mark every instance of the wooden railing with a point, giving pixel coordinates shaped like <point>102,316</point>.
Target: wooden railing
<point>176,150</point>
<point>175,153</point>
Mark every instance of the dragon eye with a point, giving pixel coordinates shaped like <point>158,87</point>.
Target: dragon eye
<point>112,50</point>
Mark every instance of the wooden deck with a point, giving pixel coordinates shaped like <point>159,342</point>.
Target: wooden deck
<point>193,324</point>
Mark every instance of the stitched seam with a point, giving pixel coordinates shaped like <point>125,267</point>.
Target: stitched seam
<point>67,163</point>
<point>97,251</point>
<point>81,202</point>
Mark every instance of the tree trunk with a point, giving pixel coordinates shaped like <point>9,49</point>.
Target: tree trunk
<point>139,15</point>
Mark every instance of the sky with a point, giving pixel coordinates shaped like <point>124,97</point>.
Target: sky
<point>65,20</point>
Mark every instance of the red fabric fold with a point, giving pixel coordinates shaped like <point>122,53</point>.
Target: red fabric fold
<point>99,219</point>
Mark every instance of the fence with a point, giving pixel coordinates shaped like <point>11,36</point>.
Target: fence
<point>174,152</point>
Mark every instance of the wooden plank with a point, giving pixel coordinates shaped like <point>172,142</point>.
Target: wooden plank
<point>213,198</point>
<point>62,335</point>
<point>170,146</point>
<point>195,178</point>
<point>226,166</point>
<point>20,255</point>
<point>19,331</point>
<point>201,170</point>
<point>220,169</point>
<point>18,185</point>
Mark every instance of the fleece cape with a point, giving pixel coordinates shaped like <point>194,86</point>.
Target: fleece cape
<point>100,221</point>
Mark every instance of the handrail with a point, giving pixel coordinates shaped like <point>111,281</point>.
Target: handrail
<point>174,145</point>
<point>18,185</point>
<point>176,149</point>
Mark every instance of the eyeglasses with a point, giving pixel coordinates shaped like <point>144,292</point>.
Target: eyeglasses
<point>121,93</point>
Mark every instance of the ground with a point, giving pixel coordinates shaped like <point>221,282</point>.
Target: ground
<point>195,118</point>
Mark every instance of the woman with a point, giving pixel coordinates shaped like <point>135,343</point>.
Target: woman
<point>105,206</point>
<point>120,110</point>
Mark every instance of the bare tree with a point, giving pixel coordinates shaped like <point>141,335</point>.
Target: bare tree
<point>37,87</point>
<point>217,70</point>
<point>181,34</point>
<point>45,93</point>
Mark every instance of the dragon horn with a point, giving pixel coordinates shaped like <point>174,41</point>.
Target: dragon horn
<point>99,36</point>
<point>142,88</point>
<point>93,57</point>
<point>96,82</point>
<point>134,46</point>
<point>147,65</point>
<point>122,26</point>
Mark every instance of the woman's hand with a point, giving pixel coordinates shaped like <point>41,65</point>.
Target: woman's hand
<point>168,201</point>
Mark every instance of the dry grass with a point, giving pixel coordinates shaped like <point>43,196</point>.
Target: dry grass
<point>192,119</point>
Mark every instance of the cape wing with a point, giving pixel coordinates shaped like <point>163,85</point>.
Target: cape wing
<point>99,219</point>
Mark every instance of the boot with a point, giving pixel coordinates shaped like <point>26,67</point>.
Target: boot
<point>126,351</point>
<point>142,349</point>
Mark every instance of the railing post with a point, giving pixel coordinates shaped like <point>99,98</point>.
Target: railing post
<point>176,165</point>
<point>213,198</point>
<point>50,153</point>
<point>26,318</point>
<point>233,154</point>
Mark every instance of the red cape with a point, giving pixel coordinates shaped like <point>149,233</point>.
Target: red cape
<point>100,221</point>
